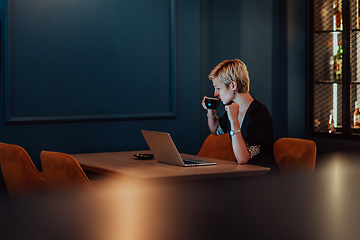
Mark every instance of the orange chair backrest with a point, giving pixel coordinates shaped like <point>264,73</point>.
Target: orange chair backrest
<point>63,172</point>
<point>20,174</point>
<point>218,146</point>
<point>295,155</point>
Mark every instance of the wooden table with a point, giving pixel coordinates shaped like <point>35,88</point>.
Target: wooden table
<point>125,164</point>
<point>323,205</point>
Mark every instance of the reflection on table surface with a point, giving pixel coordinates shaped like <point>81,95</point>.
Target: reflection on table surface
<point>324,205</point>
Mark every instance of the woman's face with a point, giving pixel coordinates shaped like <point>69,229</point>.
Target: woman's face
<point>225,94</point>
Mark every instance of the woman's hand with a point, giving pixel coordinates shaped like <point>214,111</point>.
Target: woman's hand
<point>203,103</point>
<point>211,112</point>
<point>213,120</point>
<point>233,112</point>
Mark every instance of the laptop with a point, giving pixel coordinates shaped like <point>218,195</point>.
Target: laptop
<point>165,151</point>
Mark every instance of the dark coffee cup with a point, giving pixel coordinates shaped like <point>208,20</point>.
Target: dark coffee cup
<point>211,103</point>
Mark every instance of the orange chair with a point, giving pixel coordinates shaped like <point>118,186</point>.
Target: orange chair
<point>218,146</point>
<point>20,174</point>
<point>295,155</point>
<point>63,172</point>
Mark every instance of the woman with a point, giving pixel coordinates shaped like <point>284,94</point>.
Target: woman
<point>246,119</point>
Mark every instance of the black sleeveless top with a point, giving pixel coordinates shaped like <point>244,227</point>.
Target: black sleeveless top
<point>257,132</point>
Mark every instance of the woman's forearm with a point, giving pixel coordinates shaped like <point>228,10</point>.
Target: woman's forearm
<point>239,147</point>
<point>213,121</point>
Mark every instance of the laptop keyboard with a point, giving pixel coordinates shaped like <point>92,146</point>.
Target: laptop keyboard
<point>191,161</point>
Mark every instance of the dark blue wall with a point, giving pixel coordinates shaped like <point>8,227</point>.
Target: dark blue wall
<point>270,37</point>
<point>86,76</point>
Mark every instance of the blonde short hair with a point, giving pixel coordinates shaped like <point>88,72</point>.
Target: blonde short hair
<point>232,70</point>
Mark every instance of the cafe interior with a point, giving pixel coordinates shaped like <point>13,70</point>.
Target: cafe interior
<point>80,80</point>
